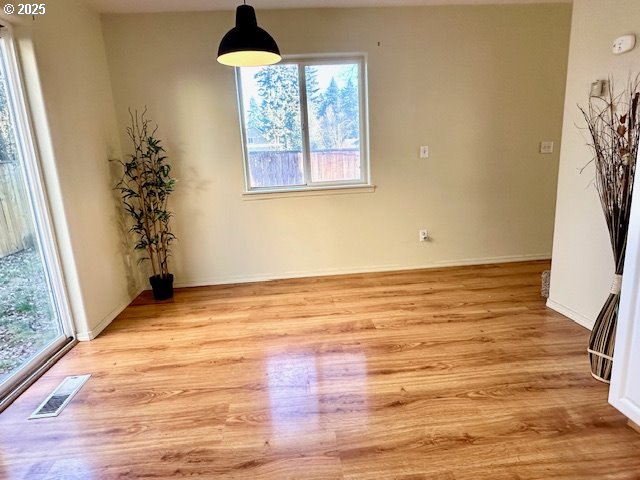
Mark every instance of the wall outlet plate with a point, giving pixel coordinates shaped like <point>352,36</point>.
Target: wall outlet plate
<point>623,44</point>
<point>546,147</point>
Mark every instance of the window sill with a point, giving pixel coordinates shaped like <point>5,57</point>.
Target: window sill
<point>308,192</point>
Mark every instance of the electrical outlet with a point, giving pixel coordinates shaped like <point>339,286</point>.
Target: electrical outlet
<point>546,147</point>
<point>423,235</point>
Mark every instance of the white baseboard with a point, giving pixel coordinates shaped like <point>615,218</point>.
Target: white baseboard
<point>490,260</point>
<point>572,314</point>
<point>104,323</point>
<point>282,276</point>
<point>356,270</point>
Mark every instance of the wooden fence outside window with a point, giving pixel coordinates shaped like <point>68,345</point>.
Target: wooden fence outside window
<point>272,168</point>
<point>16,225</point>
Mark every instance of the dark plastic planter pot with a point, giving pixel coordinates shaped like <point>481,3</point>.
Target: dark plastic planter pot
<point>162,286</point>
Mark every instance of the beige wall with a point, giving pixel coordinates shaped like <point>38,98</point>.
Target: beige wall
<point>69,92</point>
<point>582,260</point>
<point>481,85</point>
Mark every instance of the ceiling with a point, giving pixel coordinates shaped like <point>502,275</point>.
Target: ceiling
<point>131,6</point>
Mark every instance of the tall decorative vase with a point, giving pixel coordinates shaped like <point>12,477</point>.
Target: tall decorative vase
<point>603,335</point>
<point>614,125</point>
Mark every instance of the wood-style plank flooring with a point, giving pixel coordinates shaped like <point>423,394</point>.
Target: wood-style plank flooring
<point>458,373</point>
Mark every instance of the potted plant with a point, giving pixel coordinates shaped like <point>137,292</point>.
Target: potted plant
<point>145,188</point>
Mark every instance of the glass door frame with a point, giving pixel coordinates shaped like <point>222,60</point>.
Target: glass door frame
<point>40,213</point>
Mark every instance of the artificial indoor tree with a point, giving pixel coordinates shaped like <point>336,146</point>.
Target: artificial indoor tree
<point>145,188</point>
<point>613,121</point>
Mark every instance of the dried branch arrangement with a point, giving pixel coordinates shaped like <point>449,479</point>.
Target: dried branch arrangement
<point>145,188</point>
<point>613,121</point>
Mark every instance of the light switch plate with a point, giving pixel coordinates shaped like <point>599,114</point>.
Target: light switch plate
<point>424,151</point>
<point>596,88</point>
<point>546,147</point>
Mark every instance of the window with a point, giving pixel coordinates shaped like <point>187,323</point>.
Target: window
<point>304,124</point>
<point>34,314</point>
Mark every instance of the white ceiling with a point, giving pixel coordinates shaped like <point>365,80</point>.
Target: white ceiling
<point>130,6</point>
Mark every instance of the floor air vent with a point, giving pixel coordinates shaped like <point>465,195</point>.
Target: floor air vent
<point>60,397</point>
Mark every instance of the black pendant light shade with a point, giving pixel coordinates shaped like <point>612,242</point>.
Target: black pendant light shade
<point>247,45</point>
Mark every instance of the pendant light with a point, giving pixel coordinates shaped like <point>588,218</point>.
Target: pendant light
<point>247,45</point>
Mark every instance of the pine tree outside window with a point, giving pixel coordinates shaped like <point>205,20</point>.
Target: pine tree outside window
<point>304,124</point>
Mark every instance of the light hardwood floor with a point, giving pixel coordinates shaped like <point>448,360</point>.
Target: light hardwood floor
<point>458,373</point>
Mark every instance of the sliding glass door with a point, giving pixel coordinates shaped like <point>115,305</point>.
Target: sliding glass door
<point>33,313</point>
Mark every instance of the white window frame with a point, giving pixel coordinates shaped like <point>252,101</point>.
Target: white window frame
<point>301,62</point>
<point>19,380</point>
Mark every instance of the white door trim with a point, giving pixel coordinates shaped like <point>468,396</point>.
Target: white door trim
<point>624,393</point>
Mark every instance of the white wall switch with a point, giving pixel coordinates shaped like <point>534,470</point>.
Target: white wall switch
<point>623,44</point>
<point>424,151</point>
<point>546,147</point>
